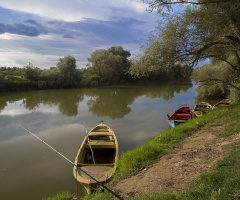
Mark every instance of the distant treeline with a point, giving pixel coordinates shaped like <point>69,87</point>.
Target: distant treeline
<point>104,67</point>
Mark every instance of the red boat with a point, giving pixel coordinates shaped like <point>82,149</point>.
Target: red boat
<point>181,115</point>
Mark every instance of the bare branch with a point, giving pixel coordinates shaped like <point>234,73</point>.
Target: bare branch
<point>165,2</point>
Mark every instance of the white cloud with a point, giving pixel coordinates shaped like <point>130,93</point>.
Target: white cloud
<point>110,23</point>
<point>14,112</point>
<point>20,58</point>
<point>18,50</point>
<point>77,10</point>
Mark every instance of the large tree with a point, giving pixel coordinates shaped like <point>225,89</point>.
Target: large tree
<point>207,29</point>
<point>68,74</point>
<point>110,64</point>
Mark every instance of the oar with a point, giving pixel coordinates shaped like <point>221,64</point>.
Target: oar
<point>70,162</point>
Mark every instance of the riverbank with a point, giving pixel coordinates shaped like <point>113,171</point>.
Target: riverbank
<point>174,163</point>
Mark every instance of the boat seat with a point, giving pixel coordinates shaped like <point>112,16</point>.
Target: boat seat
<point>101,134</point>
<point>103,144</point>
<point>183,115</point>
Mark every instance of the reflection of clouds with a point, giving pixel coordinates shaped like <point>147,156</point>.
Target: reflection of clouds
<point>49,110</point>
<point>17,112</point>
<point>63,130</point>
<point>37,161</point>
<point>14,112</point>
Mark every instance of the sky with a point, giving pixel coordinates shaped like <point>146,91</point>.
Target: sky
<point>42,32</point>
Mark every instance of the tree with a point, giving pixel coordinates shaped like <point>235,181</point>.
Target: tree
<point>110,64</point>
<point>207,29</point>
<point>2,81</point>
<point>68,74</point>
<point>32,73</point>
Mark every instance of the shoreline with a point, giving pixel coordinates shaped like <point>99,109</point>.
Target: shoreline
<point>217,120</point>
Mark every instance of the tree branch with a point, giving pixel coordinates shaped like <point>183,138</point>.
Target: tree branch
<point>222,59</point>
<point>218,81</point>
<point>165,2</point>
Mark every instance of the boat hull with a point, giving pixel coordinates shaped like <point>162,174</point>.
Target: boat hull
<point>202,108</point>
<point>97,157</point>
<point>181,115</point>
<point>225,102</point>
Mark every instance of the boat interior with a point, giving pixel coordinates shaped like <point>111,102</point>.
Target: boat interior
<point>99,156</point>
<point>183,114</point>
<point>99,148</point>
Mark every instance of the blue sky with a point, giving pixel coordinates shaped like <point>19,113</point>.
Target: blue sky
<point>43,31</point>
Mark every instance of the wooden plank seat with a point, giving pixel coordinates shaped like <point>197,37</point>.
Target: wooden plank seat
<point>101,134</point>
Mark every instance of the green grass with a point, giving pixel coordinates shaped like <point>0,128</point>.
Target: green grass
<point>222,183</point>
<point>132,161</point>
<point>15,78</point>
<point>61,196</point>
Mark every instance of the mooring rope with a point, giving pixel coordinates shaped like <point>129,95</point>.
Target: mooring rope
<point>57,152</point>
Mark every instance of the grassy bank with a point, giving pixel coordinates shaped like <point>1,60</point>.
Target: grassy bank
<point>222,183</point>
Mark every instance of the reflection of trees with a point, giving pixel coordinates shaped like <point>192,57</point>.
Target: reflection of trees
<point>66,100</point>
<point>166,91</point>
<point>112,102</point>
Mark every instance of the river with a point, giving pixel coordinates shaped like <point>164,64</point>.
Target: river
<point>30,170</point>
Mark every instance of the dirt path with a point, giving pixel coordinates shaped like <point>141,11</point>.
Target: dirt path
<point>195,155</point>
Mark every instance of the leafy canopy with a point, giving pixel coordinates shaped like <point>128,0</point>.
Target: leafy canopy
<point>206,29</point>
<point>108,64</point>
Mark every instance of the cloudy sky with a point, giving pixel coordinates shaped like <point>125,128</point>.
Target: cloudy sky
<point>43,31</point>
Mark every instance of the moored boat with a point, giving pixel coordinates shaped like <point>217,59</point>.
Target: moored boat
<point>202,108</point>
<point>97,156</point>
<point>225,102</point>
<point>181,115</point>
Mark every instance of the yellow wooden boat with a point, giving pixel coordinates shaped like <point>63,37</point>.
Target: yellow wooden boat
<point>225,102</point>
<point>97,156</point>
<point>202,108</point>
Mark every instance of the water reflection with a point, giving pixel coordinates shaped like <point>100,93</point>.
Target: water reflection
<point>105,102</point>
<point>57,116</point>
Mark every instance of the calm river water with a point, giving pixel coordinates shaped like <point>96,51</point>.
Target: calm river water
<point>29,170</point>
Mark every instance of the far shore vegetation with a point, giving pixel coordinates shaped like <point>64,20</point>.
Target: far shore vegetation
<point>104,68</point>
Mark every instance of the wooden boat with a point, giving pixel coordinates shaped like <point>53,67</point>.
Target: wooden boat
<point>97,156</point>
<point>202,108</point>
<point>225,102</point>
<point>181,115</point>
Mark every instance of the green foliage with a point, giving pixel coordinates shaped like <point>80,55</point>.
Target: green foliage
<point>17,83</point>
<point>2,81</point>
<point>208,30</point>
<point>107,66</point>
<point>68,74</point>
<point>49,78</point>
<point>31,73</point>
<point>14,71</point>
<point>216,81</point>
<point>235,93</point>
